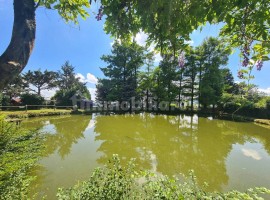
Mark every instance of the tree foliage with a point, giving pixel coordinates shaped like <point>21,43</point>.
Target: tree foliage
<point>41,80</point>
<point>196,75</point>
<point>69,10</point>
<point>16,87</point>
<point>244,21</point>
<point>215,55</point>
<point>168,24</point>
<point>32,99</point>
<point>19,151</point>
<point>122,71</point>
<point>69,85</point>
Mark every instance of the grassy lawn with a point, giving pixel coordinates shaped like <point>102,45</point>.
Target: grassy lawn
<point>34,113</point>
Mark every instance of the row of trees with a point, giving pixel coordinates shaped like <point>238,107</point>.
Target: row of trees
<point>30,85</point>
<point>245,25</point>
<point>198,76</point>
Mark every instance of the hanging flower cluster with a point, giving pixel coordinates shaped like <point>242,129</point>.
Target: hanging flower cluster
<point>246,53</point>
<point>181,60</point>
<point>259,65</point>
<point>240,75</point>
<point>100,13</point>
<point>247,61</point>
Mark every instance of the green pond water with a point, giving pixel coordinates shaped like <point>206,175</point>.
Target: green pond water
<point>227,155</point>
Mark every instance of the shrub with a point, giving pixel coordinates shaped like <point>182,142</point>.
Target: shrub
<point>1,99</point>
<point>32,99</point>
<point>62,97</point>
<point>19,152</point>
<point>268,104</point>
<point>115,181</point>
<point>4,100</point>
<point>263,103</point>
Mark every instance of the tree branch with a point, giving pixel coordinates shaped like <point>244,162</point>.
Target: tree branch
<point>16,56</point>
<point>37,5</point>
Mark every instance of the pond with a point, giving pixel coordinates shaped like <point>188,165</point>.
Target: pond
<point>227,155</point>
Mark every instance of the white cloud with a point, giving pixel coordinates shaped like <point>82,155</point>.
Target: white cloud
<point>252,153</point>
<point>90,78</point>
<point>93,93</point>
<point>190,42</point>
<point>267,91</point>
<point>141,38</point>
<point>158,57</point>
<point>48,94</point>
<point>80,76</point>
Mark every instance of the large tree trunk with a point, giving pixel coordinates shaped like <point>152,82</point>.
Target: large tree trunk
<point>16,56</point>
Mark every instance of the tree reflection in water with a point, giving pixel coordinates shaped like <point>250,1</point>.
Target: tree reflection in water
<point>173,144</point>
<point>164,144</point>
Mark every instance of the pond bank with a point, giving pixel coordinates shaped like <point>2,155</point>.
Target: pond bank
<point>19,115</point>
<point>263,122</point>
<point>34,113</point>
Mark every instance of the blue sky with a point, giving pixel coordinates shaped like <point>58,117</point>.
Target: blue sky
<point>84,44</point>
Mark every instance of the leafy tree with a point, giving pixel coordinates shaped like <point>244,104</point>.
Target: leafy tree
<point>158,91</point>
<point>67,80</point>
<point>167,78</point>
<point>243,20</point>
<point>104,88</point>
<point>41,80</point>
<point>145,88</point>
<point>230,88</point>
<point>17,54</point>
<point>245,23</point>
<point>62,97</point>
<point>16,87</point>
<point>66,77</point>
<point>122,70</point>
<point>69,85</point>
<point>215,55</point>
<point>229,85</point>
<point>190,87</point>
<point>32,99</point>
<point>212,87</point>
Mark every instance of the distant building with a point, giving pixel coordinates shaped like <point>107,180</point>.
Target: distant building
<point>15,101</point>
<point>78,99</point>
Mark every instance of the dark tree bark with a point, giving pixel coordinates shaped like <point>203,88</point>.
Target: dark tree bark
<point>17,54</point>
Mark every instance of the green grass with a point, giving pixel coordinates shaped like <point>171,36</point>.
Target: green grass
<point>35,113</point>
